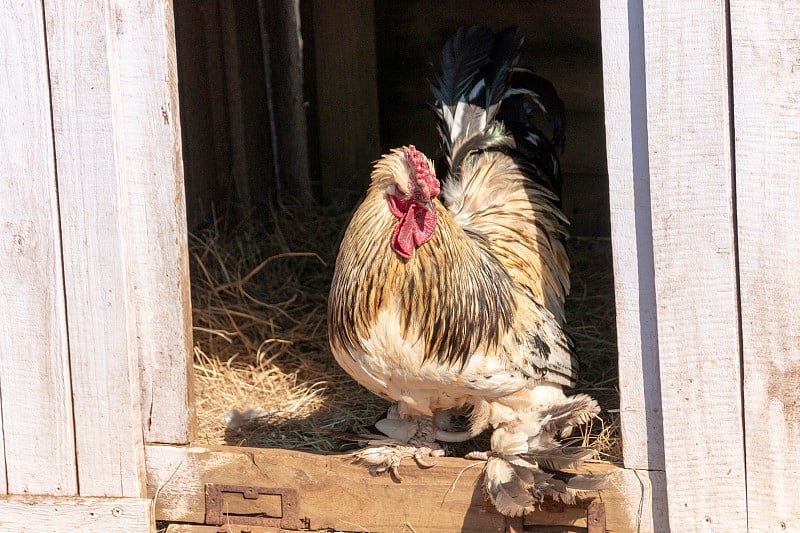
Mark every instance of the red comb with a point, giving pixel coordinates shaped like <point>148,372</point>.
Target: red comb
<point>421,178</point>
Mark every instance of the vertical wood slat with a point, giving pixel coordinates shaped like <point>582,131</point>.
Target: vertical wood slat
<point>240,167</point>
<point>284,50</point>
<point>347,94</point>
<point>629,195</point>
<point>766,53</point>
<point>695,278</point>
<point>150,164</point>
<point>37,440</point>
<point>93,197</point>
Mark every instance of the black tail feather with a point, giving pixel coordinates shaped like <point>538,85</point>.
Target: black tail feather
<point>479,82</point>
<point>463,56</point>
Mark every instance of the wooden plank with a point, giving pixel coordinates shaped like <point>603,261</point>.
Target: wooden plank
<point>283,51</point>
<point>631,234</point>
<point>213,76</point>
<point>637,503</point>
<point>240,165</point>
<point>193,528</point>
<point>41,514</point>
<point>151,166</point>
<point>93,197</point>
<point>202,108</point>
<point>37,450</point>
<point>3,475</point>
<point>347,94</point>
<point>335,493</point>
<point>766,53</point>
<point>691,179</point>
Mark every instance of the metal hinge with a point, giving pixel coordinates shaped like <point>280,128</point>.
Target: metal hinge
<point>218,511</point>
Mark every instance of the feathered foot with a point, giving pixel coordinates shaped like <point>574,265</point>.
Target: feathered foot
<point>408,438</point>
<point>516,484</point>
<point>525,463</point>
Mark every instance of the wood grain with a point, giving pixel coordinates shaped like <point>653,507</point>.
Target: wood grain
<point>632,239</point>
<point>94,199</point>
<point>37,451</point>
<point>240,166</point>
<point>284,48</point>
<point>337,494</point>
<point>40,514</point>
<point>151,166</point>
<point>766,53</point>
<point>691,185</point>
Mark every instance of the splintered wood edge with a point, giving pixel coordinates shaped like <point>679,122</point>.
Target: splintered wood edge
<point>335,493</point>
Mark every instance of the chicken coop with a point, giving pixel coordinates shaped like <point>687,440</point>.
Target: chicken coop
<point>132,127</point>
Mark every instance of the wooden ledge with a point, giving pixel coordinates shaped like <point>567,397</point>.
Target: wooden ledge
<point>334,493</point>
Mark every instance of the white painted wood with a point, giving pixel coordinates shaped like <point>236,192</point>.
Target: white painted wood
<point>695,277</point>
<point>93,195</point>
<point>41,514</point>
<point>3,477</point>
<point>150,163</point>
<point>631,233</point>
<point>37,453</point>
<point>766,96</point>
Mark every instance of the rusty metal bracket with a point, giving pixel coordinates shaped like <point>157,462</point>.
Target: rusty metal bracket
<point>595,519</point>
<point>215,515</point>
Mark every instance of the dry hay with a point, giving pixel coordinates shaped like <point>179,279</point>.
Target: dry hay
<point>264,373</point>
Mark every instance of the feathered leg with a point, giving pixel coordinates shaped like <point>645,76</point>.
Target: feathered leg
<point>526,461</point>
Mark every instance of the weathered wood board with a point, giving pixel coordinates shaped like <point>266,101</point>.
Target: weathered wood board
<point>629,195</point>
<point>335,493</point>
<point>43,514</point>
<point>150,158</point>
<point>35,394</point>
<point>93,194</point>
<point>691,192</point>
<point>766,54</point>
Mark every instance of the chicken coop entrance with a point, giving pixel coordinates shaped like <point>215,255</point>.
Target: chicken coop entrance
<point>272,178</point>
<point>261,265</point>
<point>102,385</point>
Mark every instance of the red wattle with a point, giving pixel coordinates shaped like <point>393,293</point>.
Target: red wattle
<point>424,224</point>
<point>403,238</point>
<point>415,228</point>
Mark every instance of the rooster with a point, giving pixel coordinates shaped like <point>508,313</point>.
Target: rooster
<point>448,296</point>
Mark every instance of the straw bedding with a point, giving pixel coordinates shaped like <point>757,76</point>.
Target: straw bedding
<point>264,373</point>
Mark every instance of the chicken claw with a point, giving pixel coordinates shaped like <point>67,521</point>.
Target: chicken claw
<point>388,456</point>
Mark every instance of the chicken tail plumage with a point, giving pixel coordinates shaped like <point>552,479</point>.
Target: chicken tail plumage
<point>479,82</point>
<point>501,175</point>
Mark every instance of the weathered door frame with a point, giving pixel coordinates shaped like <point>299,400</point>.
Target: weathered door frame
<point>703,187</point>
<point>94,281</point>
<point>93,222</point>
